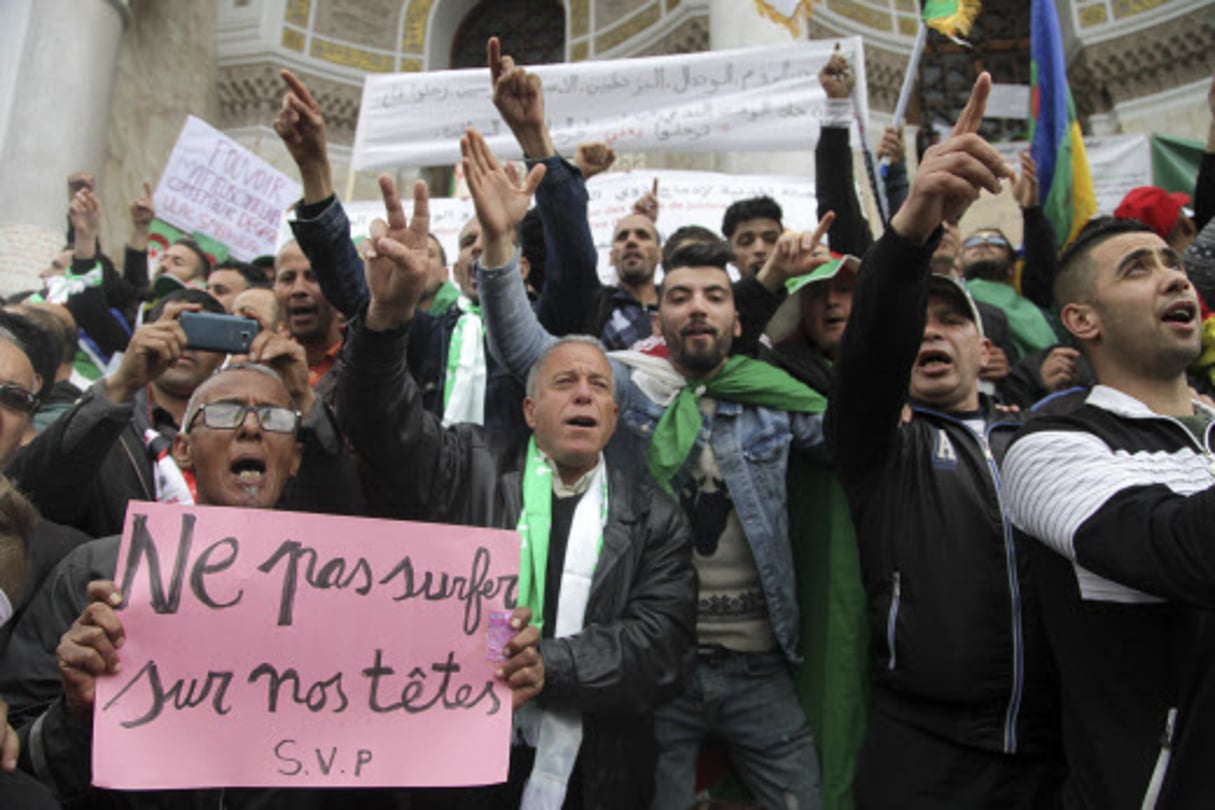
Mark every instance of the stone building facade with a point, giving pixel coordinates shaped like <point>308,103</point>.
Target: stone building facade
<point>105,85</point>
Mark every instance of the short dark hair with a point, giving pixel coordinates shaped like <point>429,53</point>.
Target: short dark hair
<point>252,275</point>
<point>61,333</point>
<point>1074,279</point>
<point>687,233</point>
<point>203,259</point>
<point>751,208</point>
<point>701,254</point>
<point>41,346</point>
<point>208,302</point>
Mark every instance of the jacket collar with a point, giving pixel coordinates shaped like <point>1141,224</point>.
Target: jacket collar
<point>1122,404</point>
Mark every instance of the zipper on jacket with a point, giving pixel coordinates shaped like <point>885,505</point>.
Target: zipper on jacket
<point>1014,589</point>
<point>1162,762</point>
<point>892,618</point>
<point>1013,709</point>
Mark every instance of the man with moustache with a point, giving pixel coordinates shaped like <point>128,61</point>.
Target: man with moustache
<point>1117,496</point>
<point>716,431</point>
<point>311,319</point>
<point>964,707</point>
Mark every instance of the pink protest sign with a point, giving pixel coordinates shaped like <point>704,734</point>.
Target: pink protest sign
<point>283,649</point>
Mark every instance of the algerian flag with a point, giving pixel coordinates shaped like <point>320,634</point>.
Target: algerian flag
<point>953,18</point>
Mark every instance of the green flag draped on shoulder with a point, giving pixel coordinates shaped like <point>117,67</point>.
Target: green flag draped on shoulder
<point>751,382</point>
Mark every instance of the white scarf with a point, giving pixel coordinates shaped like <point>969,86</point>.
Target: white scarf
<point>464,385</point>
<point>557,734</point>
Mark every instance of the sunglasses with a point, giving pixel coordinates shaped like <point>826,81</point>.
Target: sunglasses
<point>231,415</point>
<point>991,240</point>
<point>15,398</point>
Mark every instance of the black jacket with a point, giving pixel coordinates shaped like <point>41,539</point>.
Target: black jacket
<point>957,647</point>
<point>1120,503</point>
<point>84,469</point>
<point>640,617</point>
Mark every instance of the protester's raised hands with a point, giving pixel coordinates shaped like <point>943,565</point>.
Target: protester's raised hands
<point>153,348</point>
<point>892,146</point>
<point>289,359</point>
<point>593,158</point>
<point>796,254</point>
<point>1025,190</point>
<point>647,204</point>
<point>523,669</point>
<point>142,214</point>
<point>836,76</point>
<point>499,197</point>
<point>952,173</point>
<point>995,367</point>
<point>395,258</point>
<point>301,125</point>
<point>79,180</point>
<point>85,214</point>
<point>519,97</point>
<point>90,647</point>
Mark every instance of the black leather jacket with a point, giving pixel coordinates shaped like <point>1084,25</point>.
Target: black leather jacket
<point>640,617</point>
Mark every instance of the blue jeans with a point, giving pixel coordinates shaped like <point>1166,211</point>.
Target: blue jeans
<point>747,701</point>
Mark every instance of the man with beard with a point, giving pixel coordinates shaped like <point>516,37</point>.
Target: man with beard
<point>716,430</point>
<point>312,321</point>
<point>1117,496</point>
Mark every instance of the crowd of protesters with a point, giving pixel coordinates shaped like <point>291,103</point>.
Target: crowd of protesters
<point>990,465</point>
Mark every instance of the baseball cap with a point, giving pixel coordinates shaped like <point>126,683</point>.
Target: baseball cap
<point>955,291</point>
<point>1154,207</point>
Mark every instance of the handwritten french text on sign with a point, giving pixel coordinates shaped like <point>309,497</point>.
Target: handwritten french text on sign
<point>689,198</point>
<point>287,650</point>
<point>215,186</point>
<point>759,98</point>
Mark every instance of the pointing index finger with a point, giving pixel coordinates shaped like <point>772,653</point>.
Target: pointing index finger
<point>654,190</point>
<point>299,88</point>
<point>147,189</point>
<point>972,114</point>
<point>493,55</point>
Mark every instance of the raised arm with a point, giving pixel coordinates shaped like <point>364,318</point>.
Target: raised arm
<point>571,279</point>
<point>320,225</point>
<point>833,182</point>
<point>1041,257</point>
<point>516,337</point>
<point>887,320</point>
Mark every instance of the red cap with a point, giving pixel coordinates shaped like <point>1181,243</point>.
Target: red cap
<point>1154,207</point>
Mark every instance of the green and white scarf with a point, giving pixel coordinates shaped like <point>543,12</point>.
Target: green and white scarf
<point>556,734</point>
<point>464,385</point>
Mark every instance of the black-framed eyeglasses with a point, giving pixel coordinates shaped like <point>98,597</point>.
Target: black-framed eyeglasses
<point>989,239</point>
<point>16,398</point>
<point>231,415</point>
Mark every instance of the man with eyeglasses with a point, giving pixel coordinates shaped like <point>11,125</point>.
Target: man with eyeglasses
<point>241,442</point>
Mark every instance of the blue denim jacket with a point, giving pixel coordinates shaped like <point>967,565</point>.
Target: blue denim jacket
<point>751,443</point>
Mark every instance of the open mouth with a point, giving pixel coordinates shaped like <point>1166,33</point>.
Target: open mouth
<point>933,360</point>
<point>249,470</point>
<point>302,311</point>
<point>1180,312</point>
<point>582,421</point>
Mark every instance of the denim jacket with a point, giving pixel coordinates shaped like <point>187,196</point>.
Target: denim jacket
<point>751,443</point>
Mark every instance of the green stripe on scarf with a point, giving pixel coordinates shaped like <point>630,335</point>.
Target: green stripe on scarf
<point>535,525</point>
<point>742,379</point>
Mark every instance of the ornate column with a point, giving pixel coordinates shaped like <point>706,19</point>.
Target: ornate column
<point>57,120</point>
